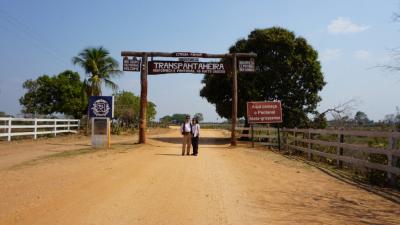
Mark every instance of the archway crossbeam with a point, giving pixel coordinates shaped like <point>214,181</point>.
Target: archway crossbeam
<point>247,66</point>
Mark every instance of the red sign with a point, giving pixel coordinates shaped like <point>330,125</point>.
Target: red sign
<point>264,112</point>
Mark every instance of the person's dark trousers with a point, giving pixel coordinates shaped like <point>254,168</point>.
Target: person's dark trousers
<point>195,144</point>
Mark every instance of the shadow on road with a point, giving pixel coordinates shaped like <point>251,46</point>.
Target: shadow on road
<point>202,141</point>
<point>169,154</point>
<point>390,194</point>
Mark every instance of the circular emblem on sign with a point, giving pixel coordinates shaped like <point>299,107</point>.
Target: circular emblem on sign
<point>101,107</point>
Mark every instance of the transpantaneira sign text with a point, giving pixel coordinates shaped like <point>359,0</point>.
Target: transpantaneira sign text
<point>264,112</point>
<point>160,67</point>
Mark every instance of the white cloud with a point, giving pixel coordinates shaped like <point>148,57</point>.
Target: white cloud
<point>331,54</point>
<point>362,55</point>
<point>343,25</point>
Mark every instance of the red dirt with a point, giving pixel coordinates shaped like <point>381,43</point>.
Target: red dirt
<point>153,184</point>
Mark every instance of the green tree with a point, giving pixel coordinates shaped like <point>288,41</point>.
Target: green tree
<point>3,114</point>
<point>40,96</point>
<point>199,116</point>
<point>166,119</point>
<point>361,118</point>
<point>287,69</point>
<point>100,67</point>
<point>319,121</point>
<point>178,117</point>
<point>63,93</point>
<point>127,106</point>
<point>71,97</point>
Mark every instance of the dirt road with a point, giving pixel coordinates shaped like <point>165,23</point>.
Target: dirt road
<point>153,184</point>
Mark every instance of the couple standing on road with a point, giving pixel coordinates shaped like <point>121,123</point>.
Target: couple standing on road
<point>190,135</point>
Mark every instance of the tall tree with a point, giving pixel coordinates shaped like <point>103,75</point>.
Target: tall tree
<point>63,93</point>
<point>166,119</point>
<point>100,68</point>
<point>178,117</point>
<point>287,69</point>
<point>40,96</point>
<point>3,114</point>
<point>199,116</point>
<point>127,106</point>
<point>361,118</point>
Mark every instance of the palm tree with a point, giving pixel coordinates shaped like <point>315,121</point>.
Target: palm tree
<point>100,68</point>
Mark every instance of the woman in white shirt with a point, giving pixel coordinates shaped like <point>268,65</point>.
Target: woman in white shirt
<point>195,136</point>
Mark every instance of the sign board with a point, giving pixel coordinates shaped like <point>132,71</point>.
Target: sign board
<point>160,67</point>
<point>131,64</point>
<point>101,106</point>
<point>248,66</point>
<point>101,132</point>
<point>99,126</point>
<point>188,54</point>
<point>188,59</point>
<point>264,112</point>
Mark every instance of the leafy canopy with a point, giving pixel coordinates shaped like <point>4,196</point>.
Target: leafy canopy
<point>287,69</point>
<point>127,107</point>
<point>63,93</point>
<point>100,67</point>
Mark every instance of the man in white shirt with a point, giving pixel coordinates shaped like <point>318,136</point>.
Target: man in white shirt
<point>186,130</point>
<point>195,136</point>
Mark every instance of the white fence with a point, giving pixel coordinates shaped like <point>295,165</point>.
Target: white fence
<point>10,127</point>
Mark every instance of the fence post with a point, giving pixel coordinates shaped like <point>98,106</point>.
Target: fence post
<point>339,149</point>
<point>9,129</point>
<point>392,160</point>
<point>55,127</point>
<point>252,135</point>
<point>279,139</point>
<point>269,141</point>
<point>284,136</point>
<point>68,126</point>
<point>309,156</point>
<point>35,129</point>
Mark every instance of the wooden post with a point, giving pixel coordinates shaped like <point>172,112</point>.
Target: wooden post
<point>295,136</point>
<point>109,133</point>
<point>339,149</point>
<point>9,129</point>
<point>35,129</point>
<point>268,139</point>
<point>279,139</point>
<point>252,135</point>
<point>308,144</point>
<point>55,128</point>
<point>143,101</point>
<point>234,100</point>
<point>392,160</point>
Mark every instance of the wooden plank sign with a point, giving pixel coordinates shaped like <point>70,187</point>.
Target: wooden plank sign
<point>160,67</point>
<point>188,59</point>
<point>264,112</point>
<point>131,64</point>
<point>247,66</point>
<point>188,54</point>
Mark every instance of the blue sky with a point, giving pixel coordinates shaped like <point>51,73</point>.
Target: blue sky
<point>351,36</point>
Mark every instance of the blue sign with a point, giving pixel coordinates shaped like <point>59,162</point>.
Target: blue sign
<point>101,106</point>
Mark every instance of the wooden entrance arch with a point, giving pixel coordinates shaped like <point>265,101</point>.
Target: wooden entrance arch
<point>142,66</point>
